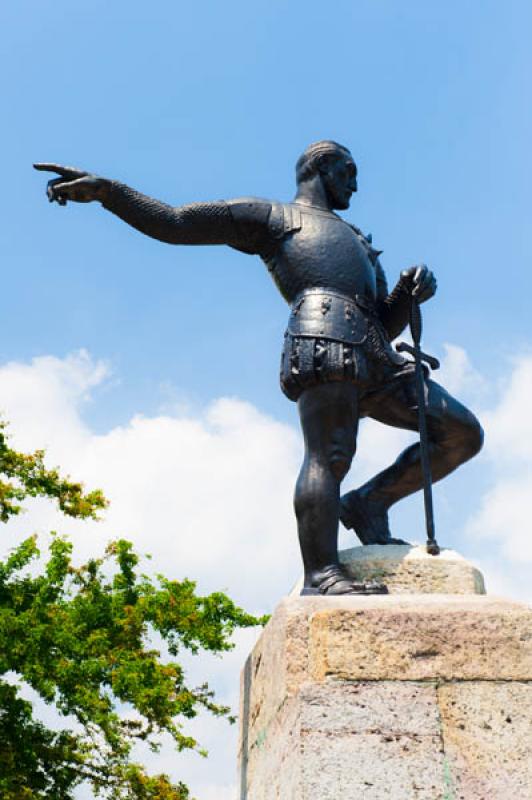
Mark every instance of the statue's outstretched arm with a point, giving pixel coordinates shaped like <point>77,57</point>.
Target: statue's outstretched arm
<point>196,223</point>
<point>394,308</point>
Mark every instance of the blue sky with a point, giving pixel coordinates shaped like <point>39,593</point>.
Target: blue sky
<point>207,100</point>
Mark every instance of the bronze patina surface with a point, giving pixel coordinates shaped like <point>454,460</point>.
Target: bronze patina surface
<point>338,363</point>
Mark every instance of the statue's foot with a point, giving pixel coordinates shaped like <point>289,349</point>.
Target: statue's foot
<point>334,581</point>
<point>368,518</point>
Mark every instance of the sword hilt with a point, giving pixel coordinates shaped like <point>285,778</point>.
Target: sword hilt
<point>403,347</point>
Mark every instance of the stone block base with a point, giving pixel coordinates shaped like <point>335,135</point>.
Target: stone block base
<point>403,697</point>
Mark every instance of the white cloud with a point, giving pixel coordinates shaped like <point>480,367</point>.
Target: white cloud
<point>504,515</point>
<point>216,792</point>
<point>509,424</point>
<point>43,399</point>
<point>504,511</point>
<point>459,376</point>
<point>205,494</point>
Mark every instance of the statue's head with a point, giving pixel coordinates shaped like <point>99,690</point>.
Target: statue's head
<point>334,166</point>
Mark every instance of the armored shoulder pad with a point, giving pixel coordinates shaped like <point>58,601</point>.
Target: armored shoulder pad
<point>250,209</point>
<point>284,218</point>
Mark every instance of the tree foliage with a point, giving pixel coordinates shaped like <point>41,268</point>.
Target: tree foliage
<point>82,637</point>
<point>25,475</point>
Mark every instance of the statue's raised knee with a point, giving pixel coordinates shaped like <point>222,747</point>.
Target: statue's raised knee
<point>340,465</point>
<point>472,440</point>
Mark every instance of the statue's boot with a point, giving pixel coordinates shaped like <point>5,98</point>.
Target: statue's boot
<point>368,518</point>
<point>333,581</point>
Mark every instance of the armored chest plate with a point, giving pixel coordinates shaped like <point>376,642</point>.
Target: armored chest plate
<point>318,248</point>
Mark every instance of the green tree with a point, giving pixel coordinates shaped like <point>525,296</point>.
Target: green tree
<point>82,638</point>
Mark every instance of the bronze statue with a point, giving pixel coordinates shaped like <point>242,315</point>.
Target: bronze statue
<point>337,362</point>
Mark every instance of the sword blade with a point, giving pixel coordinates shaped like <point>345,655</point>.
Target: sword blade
<point>416,328</point>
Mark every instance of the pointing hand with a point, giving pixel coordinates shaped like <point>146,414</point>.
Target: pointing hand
<point>73,184</point>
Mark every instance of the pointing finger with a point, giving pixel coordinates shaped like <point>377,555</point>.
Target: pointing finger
<point>65,172</point>
<point>48,166</point>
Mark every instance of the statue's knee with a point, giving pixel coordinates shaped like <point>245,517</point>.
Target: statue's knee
<point>472,438</point>
<point>340,452</point>
<point>340,463</point>
<point>475,438</point>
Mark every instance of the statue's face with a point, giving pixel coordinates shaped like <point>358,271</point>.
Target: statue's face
<point>340,180</point>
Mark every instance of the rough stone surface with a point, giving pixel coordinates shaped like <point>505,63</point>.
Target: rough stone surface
<point>270,768</point>
<point>424,637</point>
<point>372,767</point>
<point>398,709</point>
<point>487,734</point>
<point>374,729</point>
<point>404,698</point>
<point>409,569</point>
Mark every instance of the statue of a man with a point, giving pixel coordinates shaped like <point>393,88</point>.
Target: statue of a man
<point>337,361</point>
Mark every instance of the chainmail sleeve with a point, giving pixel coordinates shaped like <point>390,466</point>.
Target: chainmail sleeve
<point>195,223</point>
<point>393,308</point>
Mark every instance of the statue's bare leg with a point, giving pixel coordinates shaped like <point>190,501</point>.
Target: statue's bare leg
<point>455,436</point>
<point>329,419</point>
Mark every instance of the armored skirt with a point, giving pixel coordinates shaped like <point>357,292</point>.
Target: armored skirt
<point>332,337</point>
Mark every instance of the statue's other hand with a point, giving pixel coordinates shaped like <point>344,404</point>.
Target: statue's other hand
<point>73,184</point>
<point>421,281</point>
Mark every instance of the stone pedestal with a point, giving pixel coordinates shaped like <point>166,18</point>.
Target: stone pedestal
<point>404,697</point>
<point>408,569</point>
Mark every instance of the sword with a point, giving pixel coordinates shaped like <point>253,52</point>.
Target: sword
<point>416,328</point>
